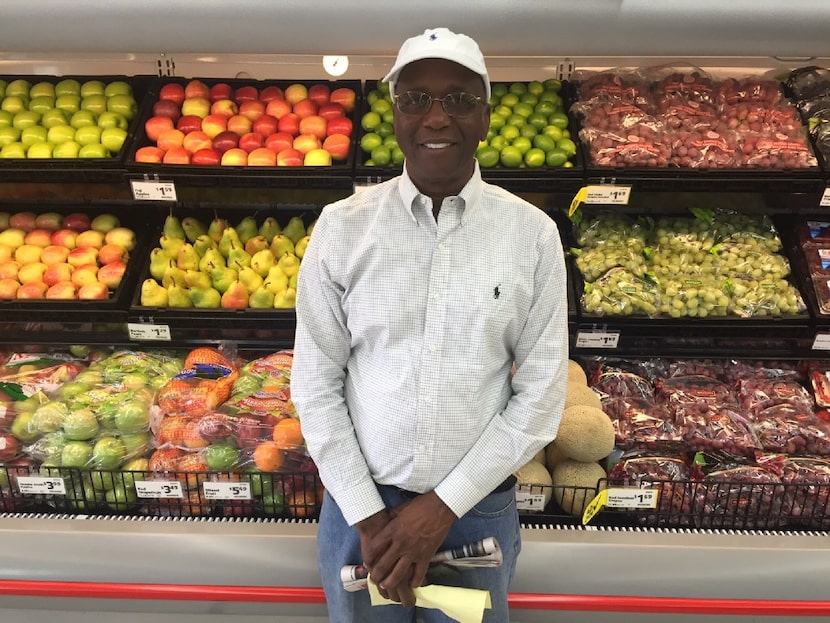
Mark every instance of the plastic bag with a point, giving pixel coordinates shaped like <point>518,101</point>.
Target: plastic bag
<point>621,292</point>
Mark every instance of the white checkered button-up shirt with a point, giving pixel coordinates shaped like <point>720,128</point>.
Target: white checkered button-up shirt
<point>406,332</point>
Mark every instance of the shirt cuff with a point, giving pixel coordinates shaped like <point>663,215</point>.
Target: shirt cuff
<point>460,494</point>
<point>359,502</point>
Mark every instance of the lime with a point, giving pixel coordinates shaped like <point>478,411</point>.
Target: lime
<point>535,87</point>
<point>568,146</point>
<point>373,96</point>
<point>382,106</point>
<point>511,157</point>
<point>397,156</point>
<point>545,108</point>
<point>383,87</point>
<point>535,157</point>
<point>384,129</point>
<point>522,143</point>
<point>369,141</point>
<point>528,131</point>
<point>552,84</point>
<point>516,120</point>
<point>369,163</point>
<point>553,98</point>
<point>537,120</point>
<point>487,156</point>
<point>544,142</point>
<point>496,121</point>
<point>370,121</point>
<point>553,131</point>
<point>529,98</point>
<point>509,132</point>
<point>499,142</point>
<point>566,133</point>
<point>490,134</point>
<point>556,157</point>
<point>498,89</point>
<point>518,88</point>
<point>390,141</point>
<point>504,111</point>
<point>559,119</point>
<point>388,117</point>
<point>510,100</point>
<point>525,110</point>
<point>568,165</point>
<point>382,155</point>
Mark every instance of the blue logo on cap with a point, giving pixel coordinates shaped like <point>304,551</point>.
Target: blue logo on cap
<point>433,37</point>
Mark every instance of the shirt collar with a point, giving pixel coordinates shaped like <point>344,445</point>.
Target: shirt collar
<point>470,194</point>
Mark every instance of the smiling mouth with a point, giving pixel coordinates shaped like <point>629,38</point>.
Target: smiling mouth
<point>436,145</point>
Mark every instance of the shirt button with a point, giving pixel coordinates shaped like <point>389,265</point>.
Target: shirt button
<point>422,448</point>
<point>432,348</point>
<point>428,400</point>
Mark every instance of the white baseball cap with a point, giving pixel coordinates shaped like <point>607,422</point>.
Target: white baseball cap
<point>440,43</point>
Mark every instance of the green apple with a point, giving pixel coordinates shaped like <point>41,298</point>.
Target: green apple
<point>118,87</point>
<point>42,88</point>
<point>123,104</point>
<point>13,150</point>
<point>42,103</point>
<point>113,139</point>
<point>42,149</point>
<point>53,117</point>
<point>93,150</point>
<point>5,118</point>
<point>80,425</point>
<point>60,134</point>
<point>69,86</point>
<point>82,118</point>
<point>96,104</point>
<point>14,103</point>
<point>76,454</point>
<point>25,119</point>
<point>67,149</point>
<point>19,87</point>
<point>34,134</point>
<point>113,120</point>
<point>88,134</point>
<point>68,103</point>
<point>108,453</point>
<point>92,87</point>
<point>9,134</point>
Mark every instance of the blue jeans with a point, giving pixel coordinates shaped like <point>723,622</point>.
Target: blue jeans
<point>338,544</point>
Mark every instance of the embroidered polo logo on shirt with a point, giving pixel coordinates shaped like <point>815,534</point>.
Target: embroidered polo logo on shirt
<point>496,292</point>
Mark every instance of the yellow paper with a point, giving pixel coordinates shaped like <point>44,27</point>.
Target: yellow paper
<point>465,605</point>
<point>578,200</point>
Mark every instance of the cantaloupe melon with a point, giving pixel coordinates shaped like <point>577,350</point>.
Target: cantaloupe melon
<point>575,484</point>
<point>576,373</point>
<point>533,477</point>
<point>581,395</point>
<point>585,434</point>
<point>554,455</point>
<point>540,457</point>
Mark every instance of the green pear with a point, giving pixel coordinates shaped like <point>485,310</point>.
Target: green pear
<point>261,298</point>
<point>210,260</point>
<point>203,243</point>
<point>250,278</point>
<point>177,296</point>
<point>235,297</point>
<point>276,280</point>
<point>216,228</point>
<point>174,275</point>
<point>222,277</point>
<point>193,228</point>
<point>289,263</point>
<point>153,294</point>
<point>269,228</point>
<point>295,229</point>
<point>205,298</point>
<point>257,243</point>
<point>280,245</point>
<point>229,240</point>
<point>187,258</point>
<point>262,261</point>
<point>239,257</point>
<point>299,248</point>
<point>170,244</point>
<point>311,227</point>
<point>197,279</point>
<point>173,227</point>
<point>285,299</point>
<point>159,261</point>
<point>246,228</point>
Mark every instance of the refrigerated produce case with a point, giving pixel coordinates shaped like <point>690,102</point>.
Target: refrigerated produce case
<point>164,569</point>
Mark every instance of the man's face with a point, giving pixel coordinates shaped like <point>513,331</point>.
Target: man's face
<point>440,149</point>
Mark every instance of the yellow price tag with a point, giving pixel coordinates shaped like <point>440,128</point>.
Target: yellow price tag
<point>578,200</point>
<point>595,506</point>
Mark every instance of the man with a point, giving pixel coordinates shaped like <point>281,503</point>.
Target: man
<point>415,298</point>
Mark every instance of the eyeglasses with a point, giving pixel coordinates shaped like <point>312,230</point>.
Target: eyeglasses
<point>454,104</point>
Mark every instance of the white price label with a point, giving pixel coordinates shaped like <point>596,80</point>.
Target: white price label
<point>153,190</point>
<point>526,501</point>
<point>607,194</point>
<point>40,485</point>
<point>227,490</point>
<point>597,339</point>
<point>631,498</point>
<point>821,341</point>
<point>159,489</point>
<point>825,198</point>
<point>148,332</point>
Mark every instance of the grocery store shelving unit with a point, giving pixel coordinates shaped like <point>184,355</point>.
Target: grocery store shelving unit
<point>257,40</point>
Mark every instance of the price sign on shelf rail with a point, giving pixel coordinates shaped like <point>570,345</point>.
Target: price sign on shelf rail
<point>825,198</point>
<point>142,332</point>
<point>597,339</point>
<point>153,190</point>
<point>227,490</point>
<point>159,489</point>
<point>38,485</point>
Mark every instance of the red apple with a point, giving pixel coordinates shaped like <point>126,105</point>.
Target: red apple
<point>196,140</point>
<point>76,221</point>
<point>338,145</point>
<point>340,125</point>
<point>27,254</point>
<point>247,93</point>
<point>173,92</point>
<point>124,237</point>
<point>317,158</point>
<point>38,237</point>
<point>176,155</point>
<point>196,106</point>
<point>167,108</point>
<point>319,93</point>
<point>81,256</point>
<point>296,92</point>
<point>9,269</point>
<point>90,238</point>
<point>110,274</point>
<point>61,290</point>
<point>58,272</point>
<point>170,138</point>
<point>220,91</point>
<point>224,108</point>
<point>235,157</point>
<point>155,125</point>
<point>345,97</point>
<point>213,125</point>
<point>32,290</point>
<point>93,291</point>
<point>304,143</point>
<point>331,111</point>
<point>262,157</point>
<point>84,274</point>
<point>313,124</point>
<point>54,254</point>
<point>189,123</point>
<point>279,141</point>
<point>289,157</point>
<point>304,108</point>
<point>23,220</point>
<point>251,141</point>
<point>277,108</point>
<point>110,253</point>
<point>265,125</point>
<point>226,140</point>
<point>196,88</point>
<point>8,288</point>
<point>207,156</point>
<point>289,123</point>
<point>65,238</point>
<point>240,125</point>
<point>30,273</point>
<point>49,220</point>
<point>271,92</point>
<point>149,153</point>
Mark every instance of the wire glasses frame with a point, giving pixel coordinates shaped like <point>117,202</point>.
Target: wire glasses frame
<point>454,104</point>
